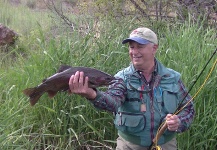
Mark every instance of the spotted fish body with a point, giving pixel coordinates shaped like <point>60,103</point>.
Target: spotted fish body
<point>59,82</point>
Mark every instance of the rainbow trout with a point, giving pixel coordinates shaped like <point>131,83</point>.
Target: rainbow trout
<point>60,82</point>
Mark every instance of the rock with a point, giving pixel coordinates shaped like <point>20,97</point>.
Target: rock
<point>7,36</point>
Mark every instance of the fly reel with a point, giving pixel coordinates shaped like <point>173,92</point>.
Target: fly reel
<point>155,148</point>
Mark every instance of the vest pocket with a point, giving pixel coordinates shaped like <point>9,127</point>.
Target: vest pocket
<point>170,101</point>
<point>130,122</point>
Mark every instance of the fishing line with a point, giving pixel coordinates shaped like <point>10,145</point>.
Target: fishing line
<point>163,125</point>
<point>196,79</point>
<point>178,111</point>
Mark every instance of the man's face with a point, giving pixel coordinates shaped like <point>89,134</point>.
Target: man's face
<point>141,55</point>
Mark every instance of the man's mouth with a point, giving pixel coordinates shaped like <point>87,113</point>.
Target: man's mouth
<point>136,57</point>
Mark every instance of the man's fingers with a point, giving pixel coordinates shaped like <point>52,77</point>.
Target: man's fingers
<point>74,82</point>
<point>76,77</point>
<point>86,81</point>
<point>77,83</point>
<point>168,116</point>
<point>172,122</point>
<point>81,79</point>
<point>71,80</point>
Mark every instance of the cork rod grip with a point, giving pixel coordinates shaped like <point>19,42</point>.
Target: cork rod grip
<point>160,132</point>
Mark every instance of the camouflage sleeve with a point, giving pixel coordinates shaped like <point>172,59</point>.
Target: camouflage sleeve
<point>111,99</point>
<point>187,114</point>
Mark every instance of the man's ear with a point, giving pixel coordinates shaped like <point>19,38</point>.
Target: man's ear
<point>155,47</point>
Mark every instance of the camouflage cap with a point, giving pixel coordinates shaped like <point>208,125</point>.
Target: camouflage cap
<point>142,36</point>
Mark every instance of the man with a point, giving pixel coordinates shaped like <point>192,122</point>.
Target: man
<point>145,94</point>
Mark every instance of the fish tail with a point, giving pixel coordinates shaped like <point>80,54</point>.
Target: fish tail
<point>29,91</point>
<point>33,95</point>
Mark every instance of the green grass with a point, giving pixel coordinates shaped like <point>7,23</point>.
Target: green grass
<point>71,122</point>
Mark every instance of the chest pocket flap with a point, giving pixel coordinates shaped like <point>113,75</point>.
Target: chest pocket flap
<point>170,97</point>
<point>131,123</point>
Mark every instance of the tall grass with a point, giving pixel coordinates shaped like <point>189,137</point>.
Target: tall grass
<point>188,49</point>
<point>70,121</point>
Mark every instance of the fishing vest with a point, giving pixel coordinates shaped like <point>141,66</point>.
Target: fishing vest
<point>140,127</point>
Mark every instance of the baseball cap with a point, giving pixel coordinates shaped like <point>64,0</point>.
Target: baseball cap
<point>142,35</point>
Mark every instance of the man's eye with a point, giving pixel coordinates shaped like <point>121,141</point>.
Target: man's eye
<point>141,46</point>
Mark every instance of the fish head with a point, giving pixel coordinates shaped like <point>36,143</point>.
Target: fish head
<point>101,81</point>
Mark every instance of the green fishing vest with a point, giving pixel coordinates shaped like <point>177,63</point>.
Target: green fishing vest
<point>139,127</point>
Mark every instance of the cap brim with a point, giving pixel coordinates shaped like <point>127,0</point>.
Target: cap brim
<point>136,39</point>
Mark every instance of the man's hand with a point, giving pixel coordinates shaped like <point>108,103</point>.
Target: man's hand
<point>172,122</point>
<point>78,84</point>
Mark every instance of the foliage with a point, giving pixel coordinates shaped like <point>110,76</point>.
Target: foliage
<point>70,121</point>
<point>157,10</point>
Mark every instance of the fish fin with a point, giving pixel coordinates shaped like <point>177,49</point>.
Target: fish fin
<point>51,94</point>
<point>33,95</point>
<point>34,99</point>
<point>44,80</point>
<point>63,68</point>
